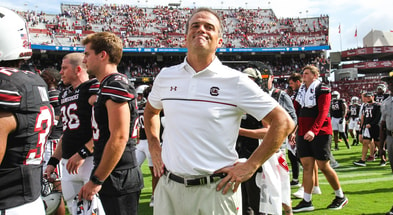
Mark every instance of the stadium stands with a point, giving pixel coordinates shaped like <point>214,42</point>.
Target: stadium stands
<point>164,26</point>
<point>350,88</point>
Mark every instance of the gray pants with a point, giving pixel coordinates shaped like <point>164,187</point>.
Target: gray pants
<point>389,148</point>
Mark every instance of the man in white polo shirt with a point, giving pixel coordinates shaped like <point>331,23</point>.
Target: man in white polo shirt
<point>204,102</point>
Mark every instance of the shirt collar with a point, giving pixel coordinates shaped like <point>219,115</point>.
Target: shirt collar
<point>213,66</point>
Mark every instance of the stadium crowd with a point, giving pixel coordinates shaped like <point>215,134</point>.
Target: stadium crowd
<point>162,26</point>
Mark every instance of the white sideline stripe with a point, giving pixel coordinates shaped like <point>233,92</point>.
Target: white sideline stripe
<point>360,174</point>
<point>342,169</point>
<point>361,181</point>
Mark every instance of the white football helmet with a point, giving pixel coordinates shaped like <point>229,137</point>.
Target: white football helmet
<point>85,207</point>
<point>141,88</point>
<point>50,197</point>
<point>335,95</point>
<point>382,87</point>
<point>354,100</point>
<point>14,36</point>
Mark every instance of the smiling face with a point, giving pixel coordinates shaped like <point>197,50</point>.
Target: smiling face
<point>203,33</point>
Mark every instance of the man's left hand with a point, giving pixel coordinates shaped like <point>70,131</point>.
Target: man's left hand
<point>88,191</point>
<point>236,174</point>
<point>74,163</point>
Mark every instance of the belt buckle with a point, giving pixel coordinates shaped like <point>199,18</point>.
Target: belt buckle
<point>185,182</point>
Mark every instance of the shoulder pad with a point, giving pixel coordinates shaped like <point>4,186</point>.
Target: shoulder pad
<point>324,88</point>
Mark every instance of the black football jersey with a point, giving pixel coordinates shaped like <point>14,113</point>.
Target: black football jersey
<point>142,133</point>
<point>115,87</point>
<point>371,113</point>
<point>245,146</point>
<point>141,121</point>
<point>354,110</point>
<point>379,98</point>
<point>25,94</point>
<point>76,116</point>
<point>57,130</point>
<point>336,108</point>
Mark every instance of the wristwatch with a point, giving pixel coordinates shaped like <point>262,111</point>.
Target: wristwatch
<point>95,180</point>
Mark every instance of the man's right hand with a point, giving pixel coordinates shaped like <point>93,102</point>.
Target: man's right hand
<point>48,172</point>
<point>158,164</point>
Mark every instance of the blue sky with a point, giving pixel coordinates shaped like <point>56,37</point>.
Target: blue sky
<point>363,15</point>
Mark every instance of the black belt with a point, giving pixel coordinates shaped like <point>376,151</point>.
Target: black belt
<point>196,181</point>
<point>390,133</point>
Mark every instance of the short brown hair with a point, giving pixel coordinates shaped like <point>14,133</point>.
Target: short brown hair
<point>314,70</point>
<point>108,42</point>
<point>295,77</point>
<point>75,59</point>
<point>51,76</point>
<point>205,9</point>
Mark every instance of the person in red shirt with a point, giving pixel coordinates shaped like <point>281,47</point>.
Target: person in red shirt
<point>312,103</point>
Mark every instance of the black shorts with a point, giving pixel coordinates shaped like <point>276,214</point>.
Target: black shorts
<point>374,133</point>
<point>319,148</point>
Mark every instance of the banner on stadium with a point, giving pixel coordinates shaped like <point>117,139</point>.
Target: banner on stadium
<point>368,50</point>
<point>184,50</point>
<point>370,65</point>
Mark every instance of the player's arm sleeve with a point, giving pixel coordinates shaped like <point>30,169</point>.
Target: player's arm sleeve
<point>323,108</point>
<point>118,91</point>
<point>94,87</point>
<point>10,98</point>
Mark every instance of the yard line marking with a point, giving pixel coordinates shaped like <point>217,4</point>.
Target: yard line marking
<point>361,181</point>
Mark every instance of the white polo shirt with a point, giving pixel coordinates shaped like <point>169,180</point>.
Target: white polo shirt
<point>202,115</point>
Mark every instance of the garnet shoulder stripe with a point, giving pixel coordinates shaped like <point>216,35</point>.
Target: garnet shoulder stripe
<point>199,100</point>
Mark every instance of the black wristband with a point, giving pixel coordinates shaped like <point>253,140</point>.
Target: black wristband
<point>84,152</point>
<point>95,180</point>
<point>53,161</point>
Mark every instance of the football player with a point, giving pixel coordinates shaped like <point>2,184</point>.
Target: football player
<point>142,148</point>
<point>52,78</point>
<point>371,114</point>
<point>381,94</point>
<point>116,174</point>
<point>338,110</point>
<point>75,148</point>
<point>354,124</point>
<point>26,119</point>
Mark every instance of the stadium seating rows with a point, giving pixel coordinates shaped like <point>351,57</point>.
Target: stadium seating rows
<point>350,88</point>
<point>164,26</point>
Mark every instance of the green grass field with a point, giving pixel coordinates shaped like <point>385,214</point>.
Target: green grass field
<point>369,189</point>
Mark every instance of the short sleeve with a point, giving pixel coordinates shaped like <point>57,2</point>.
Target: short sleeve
<point>118,89</point>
